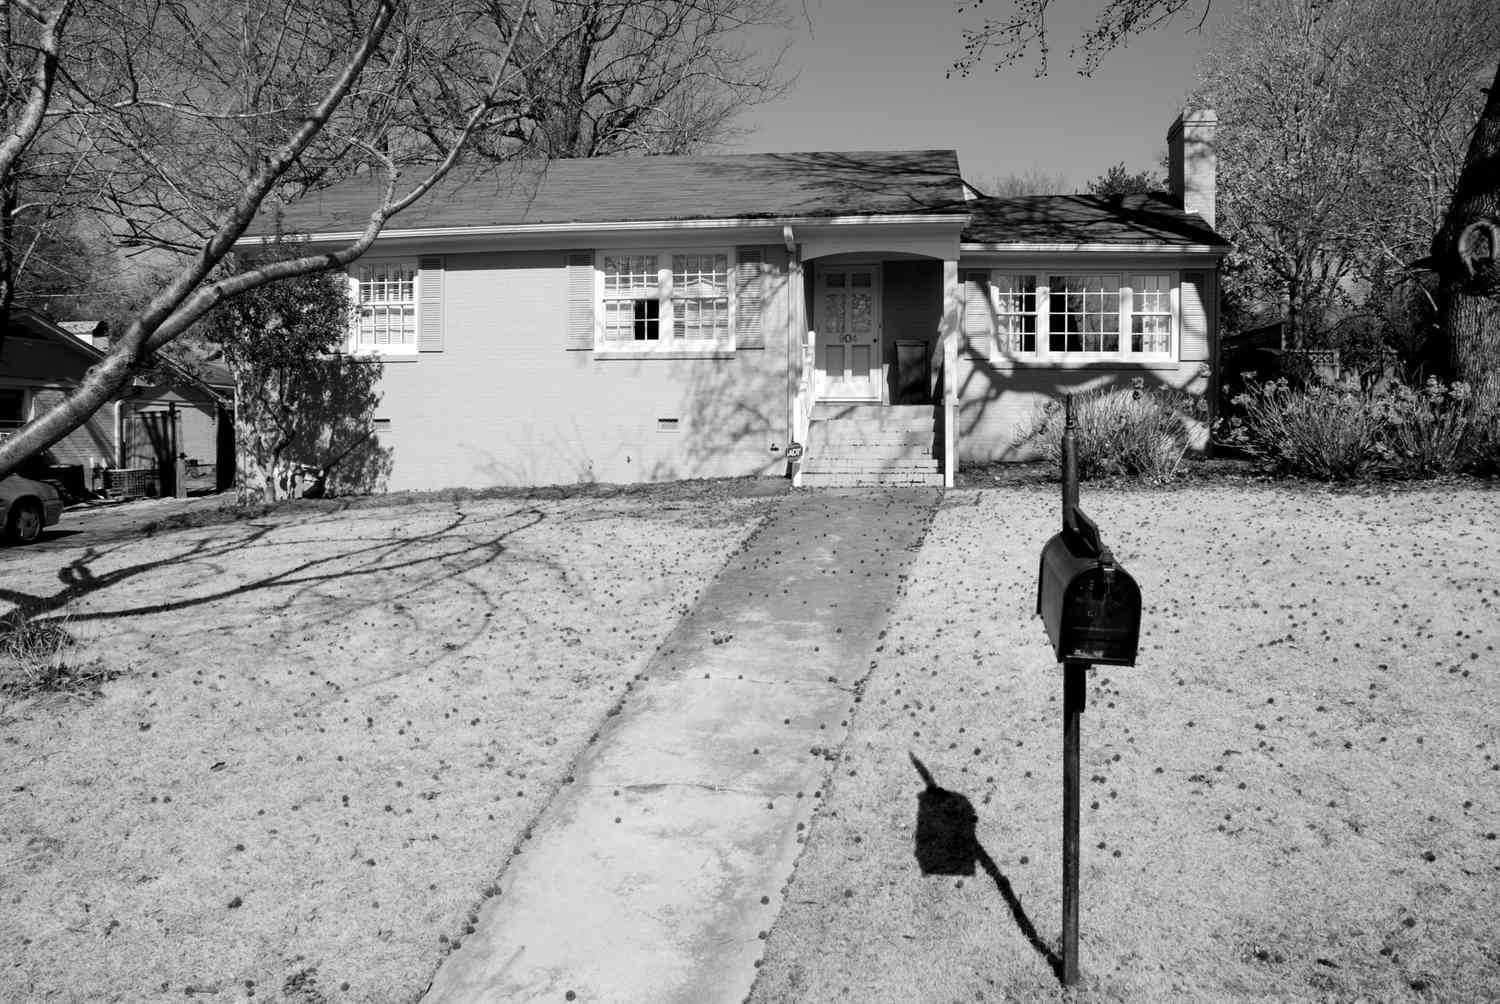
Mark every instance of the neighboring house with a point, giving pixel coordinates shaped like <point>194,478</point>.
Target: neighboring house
<point>173,412</point>
<point>1266,351</point>
<point>672,317</point>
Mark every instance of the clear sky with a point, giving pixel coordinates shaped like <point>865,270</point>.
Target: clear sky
<point>870,76</point>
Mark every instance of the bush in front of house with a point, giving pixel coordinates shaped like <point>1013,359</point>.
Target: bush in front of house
<point>1326,431</point>
<point>1342,431</point>
<point>1429,429</point>
<point>1123,431</point>
<point>1483,447</point>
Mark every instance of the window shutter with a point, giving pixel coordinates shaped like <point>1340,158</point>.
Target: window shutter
<point>580,332</point>
<point>749,325</point>
<point>430,305</point>
<point>1194,344</point>
<point>979,314</point>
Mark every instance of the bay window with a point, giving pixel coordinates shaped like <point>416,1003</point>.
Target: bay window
<point>1057,314</point>
<point>1083,313</point>
<point>1015,312</point>
<point>1151,313</point>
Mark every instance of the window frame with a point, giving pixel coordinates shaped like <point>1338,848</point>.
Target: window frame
<point>1043,354</point>
<point>1172,313</point>
<point>26,403</point>
<point>355,347</point>
<point>670,340</point>
<point>1044,280</point>
<point>1035,292</point>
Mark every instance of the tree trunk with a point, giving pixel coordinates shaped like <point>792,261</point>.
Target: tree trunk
<point>7,185</point>
<point>1467,253</point>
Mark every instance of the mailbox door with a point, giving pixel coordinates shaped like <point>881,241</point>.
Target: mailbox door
<point>1101,617</point>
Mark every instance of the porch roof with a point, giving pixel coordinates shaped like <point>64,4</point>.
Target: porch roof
<point>765,186</point>
<point>1093,220</point>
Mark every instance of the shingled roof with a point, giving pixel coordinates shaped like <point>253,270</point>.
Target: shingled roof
<point>621,190</point>
<point>1086,219</point>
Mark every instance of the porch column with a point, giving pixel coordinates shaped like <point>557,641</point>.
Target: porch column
<point>948,335</point>
<point>798,379</point>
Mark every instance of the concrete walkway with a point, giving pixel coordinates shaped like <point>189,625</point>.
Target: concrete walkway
<point>655,875</point>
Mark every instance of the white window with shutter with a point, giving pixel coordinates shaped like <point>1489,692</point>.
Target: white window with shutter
<point>385,298</point>
<point>663,300</point>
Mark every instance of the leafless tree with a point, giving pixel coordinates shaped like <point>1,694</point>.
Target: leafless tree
<point>652,76</point>
<point>1034,181</point>
<point>188,119</point>
<point>1388,142</point>
<point>1021,31</point>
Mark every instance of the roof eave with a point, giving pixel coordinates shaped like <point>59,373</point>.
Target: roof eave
<point>958,215</point>
<point>1063,247</point>
<point>47,328</point>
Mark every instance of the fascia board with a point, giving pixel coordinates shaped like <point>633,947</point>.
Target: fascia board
<point>1218,251</point>
<point>628,226</point>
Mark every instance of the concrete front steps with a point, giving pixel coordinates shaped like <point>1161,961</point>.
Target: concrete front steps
<point>853,445</point>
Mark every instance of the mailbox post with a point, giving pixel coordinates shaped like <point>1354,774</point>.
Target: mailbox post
<point>1091,608</point>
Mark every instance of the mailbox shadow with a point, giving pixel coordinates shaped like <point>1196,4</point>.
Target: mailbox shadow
<point>946,844</point>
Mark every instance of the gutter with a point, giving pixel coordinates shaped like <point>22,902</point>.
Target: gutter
<point>1063,248</point>
<point>543,229</point>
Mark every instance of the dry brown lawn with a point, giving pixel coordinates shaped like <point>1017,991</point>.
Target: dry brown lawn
<point>1294,795</point>
<point>328,733</point>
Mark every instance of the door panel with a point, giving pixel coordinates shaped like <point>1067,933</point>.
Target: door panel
<point>847,323</point>
<point>150,440</point>
<point>859,362</point>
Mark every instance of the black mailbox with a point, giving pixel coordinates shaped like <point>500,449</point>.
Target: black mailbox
<point>1090,605</point>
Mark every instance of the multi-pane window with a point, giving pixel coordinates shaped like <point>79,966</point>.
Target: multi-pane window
<point>686,304</point>
<point>700,296</point>
<point>1084,313</point>
<point>387,305</point>
<point>849,305</point>
<point>1015,312</point>
<point>833,302</point>
<point>1151,313</point>
<point>632,298</point>
<point>1054,313</point>
<point>12,410</point>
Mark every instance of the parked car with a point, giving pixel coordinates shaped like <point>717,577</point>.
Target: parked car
<point>27,506</point>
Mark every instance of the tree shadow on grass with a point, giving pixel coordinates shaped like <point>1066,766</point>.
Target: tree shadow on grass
<point>438,556</point>
<point>946,844</point>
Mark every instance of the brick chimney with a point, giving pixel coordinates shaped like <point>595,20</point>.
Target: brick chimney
<point>1190,162</point>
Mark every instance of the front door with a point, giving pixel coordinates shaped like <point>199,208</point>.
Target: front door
<point>846,317</point>
<point>151,442</point>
